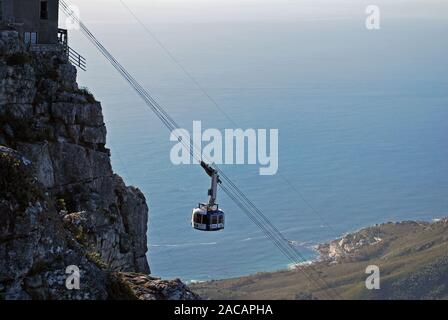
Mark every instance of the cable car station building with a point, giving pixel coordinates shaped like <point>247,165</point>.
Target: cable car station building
<point>35,20</point>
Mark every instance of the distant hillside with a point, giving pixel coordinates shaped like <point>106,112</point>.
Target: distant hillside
<point>412,257</point>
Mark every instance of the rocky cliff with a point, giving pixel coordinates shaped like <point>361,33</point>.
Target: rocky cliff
<point>61,204</point>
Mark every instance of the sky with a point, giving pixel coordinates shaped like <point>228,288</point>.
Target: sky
<point>164,11</point>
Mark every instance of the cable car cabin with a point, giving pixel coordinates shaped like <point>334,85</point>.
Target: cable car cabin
<point>205,218</point>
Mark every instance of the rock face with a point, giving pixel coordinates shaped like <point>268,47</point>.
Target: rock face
<point>76,211</point>
<point>35,247</point>
<point>144,287</point>
<point>350,245</point>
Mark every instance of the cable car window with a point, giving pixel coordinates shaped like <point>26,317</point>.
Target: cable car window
<point>221,219</point>
<point>214,219</point>
<point>197,218</point>
<point>205,220</point>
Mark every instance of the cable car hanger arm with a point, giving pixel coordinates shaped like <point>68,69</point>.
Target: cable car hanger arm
<point>213,191</point>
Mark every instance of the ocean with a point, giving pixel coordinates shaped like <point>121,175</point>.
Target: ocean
<point>362,119</point>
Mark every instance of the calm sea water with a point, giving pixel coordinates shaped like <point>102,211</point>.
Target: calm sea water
<point>362,118</point>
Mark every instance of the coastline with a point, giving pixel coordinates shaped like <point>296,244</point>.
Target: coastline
<point>407,250</point>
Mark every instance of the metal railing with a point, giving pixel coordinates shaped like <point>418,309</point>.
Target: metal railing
<point>76,59</point>
<point>73,56</point>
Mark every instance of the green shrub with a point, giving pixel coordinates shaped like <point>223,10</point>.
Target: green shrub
<point>18,59</point>
<point>118,289</point>
<point>52,74</point>
<point>38,267</point>
<point>61,205</point>
<point>95,257</point>
<point>16,184</point>
<point>86,92</point>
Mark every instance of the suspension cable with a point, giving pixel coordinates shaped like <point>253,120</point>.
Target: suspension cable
<point>234,193</point>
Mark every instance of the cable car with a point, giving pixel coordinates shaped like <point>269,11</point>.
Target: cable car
<point>208,216</point>
<point>206,219</point>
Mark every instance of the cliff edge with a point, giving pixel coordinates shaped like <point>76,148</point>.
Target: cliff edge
<point>61,204</point>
